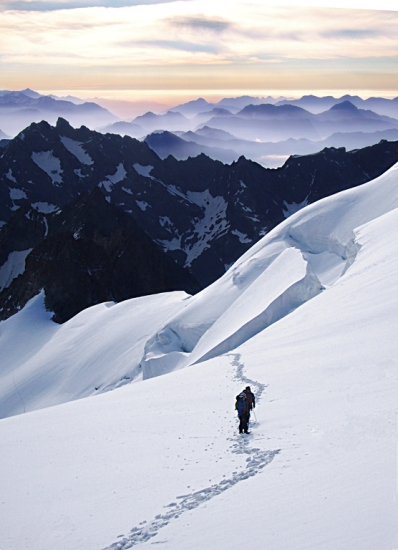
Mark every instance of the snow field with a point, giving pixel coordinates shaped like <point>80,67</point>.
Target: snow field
<point>331,408</point>
<point>96,468</point>
<point>320,238</point>
<point>307,317</point>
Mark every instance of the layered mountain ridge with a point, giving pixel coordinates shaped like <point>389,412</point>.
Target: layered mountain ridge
<point>263,129</point>
<point>18,109</point>
<point>200,212</point>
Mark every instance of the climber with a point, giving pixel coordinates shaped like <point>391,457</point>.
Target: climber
<point>245,402</point>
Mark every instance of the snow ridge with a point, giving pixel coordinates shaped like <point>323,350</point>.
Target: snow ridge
<point>295,296</point>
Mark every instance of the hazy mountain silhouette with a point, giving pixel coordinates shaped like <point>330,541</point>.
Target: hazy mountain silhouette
<point>315,104</point>
<point>18,109</point>
<point>167,143</point>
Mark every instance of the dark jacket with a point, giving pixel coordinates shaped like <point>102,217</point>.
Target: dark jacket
<point>244,406</point>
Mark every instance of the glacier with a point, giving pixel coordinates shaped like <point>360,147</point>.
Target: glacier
<point>119,429</point>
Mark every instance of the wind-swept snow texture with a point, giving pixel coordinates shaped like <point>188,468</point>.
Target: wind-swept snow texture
<point>307,317</point>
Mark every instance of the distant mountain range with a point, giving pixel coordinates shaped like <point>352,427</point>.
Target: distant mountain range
<point>315,104</point>
<point>265,129</point>
<point>124,128</point>
<point>232,104</point>
<point>268,122</point>
<point>18,109</point>
<point>202,213</point>
<point>312,103</point>
<point>267,132</point>
<point>223,146</point>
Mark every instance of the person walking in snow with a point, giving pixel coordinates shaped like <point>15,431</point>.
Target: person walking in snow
<point>245,402</point>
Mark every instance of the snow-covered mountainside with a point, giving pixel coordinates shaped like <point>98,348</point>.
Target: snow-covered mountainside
<point>307,317</point>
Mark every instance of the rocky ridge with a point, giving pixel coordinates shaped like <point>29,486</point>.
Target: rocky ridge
<point>202,213</point>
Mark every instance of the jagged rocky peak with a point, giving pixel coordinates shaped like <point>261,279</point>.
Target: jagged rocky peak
<point>94,252</point>
<point>201,212</point>
<point>66,129</point>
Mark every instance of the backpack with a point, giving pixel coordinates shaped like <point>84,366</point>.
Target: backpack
<point>249,399</point>
<point>242,403</point>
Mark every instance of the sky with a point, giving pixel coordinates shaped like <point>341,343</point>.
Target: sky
<point>163,50</point>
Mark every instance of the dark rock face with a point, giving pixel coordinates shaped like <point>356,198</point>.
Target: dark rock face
<point>94,252</point>
<point>202,213</point>
<point>25,229</point>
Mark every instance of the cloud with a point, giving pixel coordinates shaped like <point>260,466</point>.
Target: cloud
<point>53,5</point>
<point>355,34</point>
<point>196,43</point>
<point>174,45</point>
<point>201,23</point>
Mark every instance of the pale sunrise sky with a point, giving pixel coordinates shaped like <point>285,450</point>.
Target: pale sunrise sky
<point>163,50</point>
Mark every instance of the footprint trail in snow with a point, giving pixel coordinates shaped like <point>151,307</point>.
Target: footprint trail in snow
<point>239,376</point>
<point>256,460</point>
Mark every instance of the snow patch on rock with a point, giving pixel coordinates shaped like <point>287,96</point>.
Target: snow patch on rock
<point>12,267</point>
<point>51,165</point>
<point>44,207</point>
<point>241,236</point>
<point>143,170</point>
<point>10,176</point>
<point>75,147</point>
<point>213,224</point>
<point>117,177</point>
<point>293,207</point>
<point>142,205</point>
<point>79,174</point>
<point>17,194</point>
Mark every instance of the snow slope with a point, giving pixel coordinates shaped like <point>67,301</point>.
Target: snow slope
<point>302,257</point>
<point>45,364</point>
<point>308,318</point>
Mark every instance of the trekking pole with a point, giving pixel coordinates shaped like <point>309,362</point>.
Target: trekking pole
<point>255,417</point>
